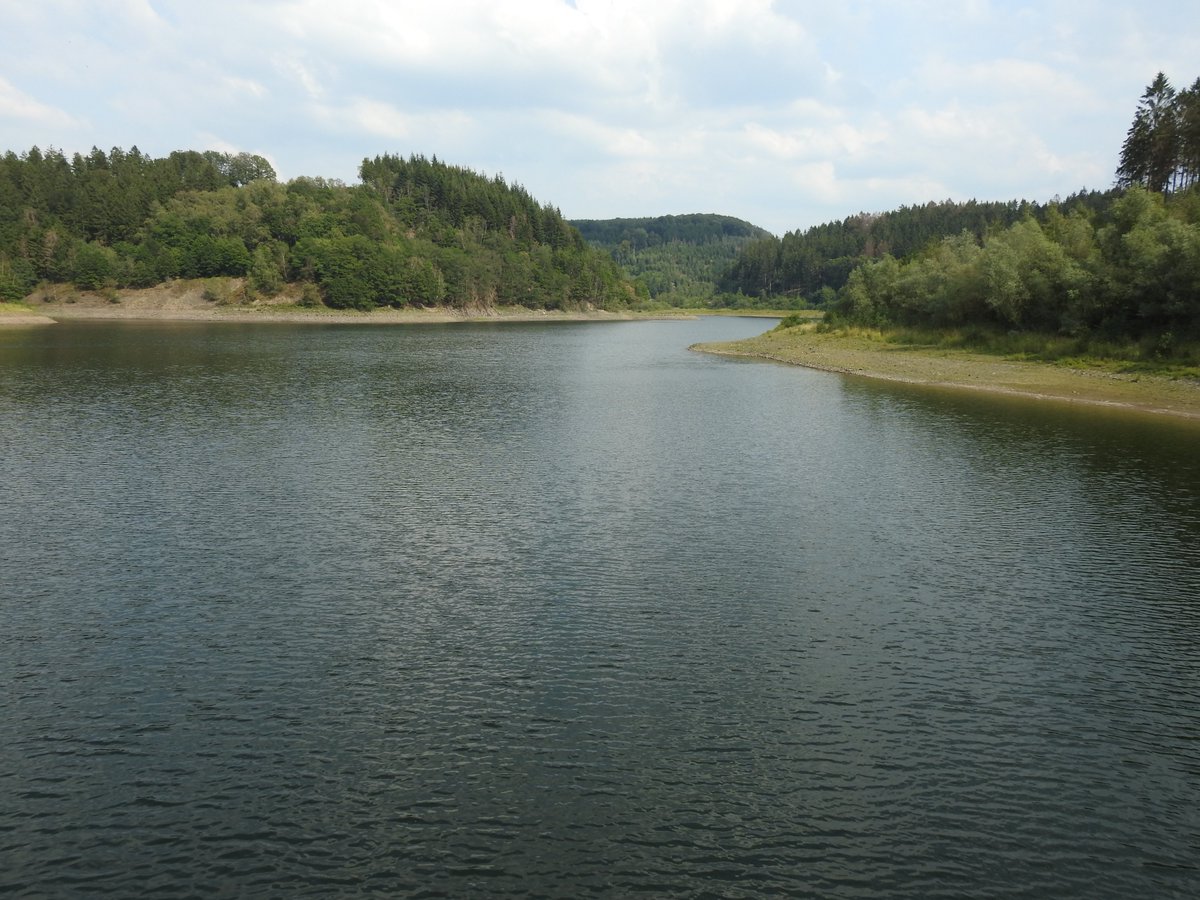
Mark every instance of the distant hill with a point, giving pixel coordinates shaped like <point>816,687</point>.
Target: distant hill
<point>677,259</point>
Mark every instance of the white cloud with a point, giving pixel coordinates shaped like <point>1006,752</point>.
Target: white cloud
<point>1007,80</point>
<point>294,70</point>
<point>16,104</point>
<point>615,141</point>
<point>816,180</point>
<point>837,140</point>
<point>373,117</point>
<point>244,86</point>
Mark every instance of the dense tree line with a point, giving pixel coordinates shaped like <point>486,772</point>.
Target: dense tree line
<point>1133,270</point>
<point>640,234</point>
<point>677,260</point>
<point>814,264</point>
<point>416,231</point>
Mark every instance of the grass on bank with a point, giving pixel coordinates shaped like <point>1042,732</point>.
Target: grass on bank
<point>685,307</point>
<point>795,316</point>
<point>1162,355</point>
<point>959,360</point>
<point>15,309</point>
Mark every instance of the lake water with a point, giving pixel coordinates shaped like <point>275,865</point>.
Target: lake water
<point>565,610</point>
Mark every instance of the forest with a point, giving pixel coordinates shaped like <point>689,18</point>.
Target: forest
<point>1132,270</point>
<point>416,231</point>
<point>1122,263</point>
<point>676,259</point>
<point>813,265</point>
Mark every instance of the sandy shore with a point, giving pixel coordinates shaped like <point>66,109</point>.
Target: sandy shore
<point>21,318</point>
<point>185,301</point>
<point>969,371</point>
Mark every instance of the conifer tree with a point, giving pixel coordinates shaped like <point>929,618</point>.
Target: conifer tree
<point>1150,155</point>
<point>1189,135</point>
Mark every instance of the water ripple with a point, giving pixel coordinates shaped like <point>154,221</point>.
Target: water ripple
<point>574,613</point>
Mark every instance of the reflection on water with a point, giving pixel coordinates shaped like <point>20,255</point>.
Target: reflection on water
<point>566,610</point>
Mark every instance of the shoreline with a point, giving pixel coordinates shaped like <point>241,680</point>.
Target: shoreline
<point>961,370</point>
<point>191,301</point>
<point>30,318</point>
<point>839,354</point>
<point>419,315</point>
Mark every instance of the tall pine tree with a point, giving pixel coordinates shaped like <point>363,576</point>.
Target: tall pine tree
<point>1155,152</point>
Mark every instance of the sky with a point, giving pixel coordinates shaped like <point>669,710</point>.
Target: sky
<point>786,113</point>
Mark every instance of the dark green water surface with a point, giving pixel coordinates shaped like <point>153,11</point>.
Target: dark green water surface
<point>565,610</point>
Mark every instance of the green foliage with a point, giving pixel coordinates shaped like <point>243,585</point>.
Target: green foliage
<point>1162,148</point>
<point>17,278</point>
<point>240,168</point>
<point>640,234</point>
<point>1153,272</point>
<point>677,260</point>
<point>813,265</point>
<point>806,317</point>
<point>1133,272</point>
<point>310,295</point>
<point>1164,354</point>
<point>267,268</point>
<point>95,267</point>
<point>417,231</point>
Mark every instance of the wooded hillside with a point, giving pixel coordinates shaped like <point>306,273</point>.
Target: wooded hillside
<point>814,264</point>
<point>416,231</point>
<point>676,259</point>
